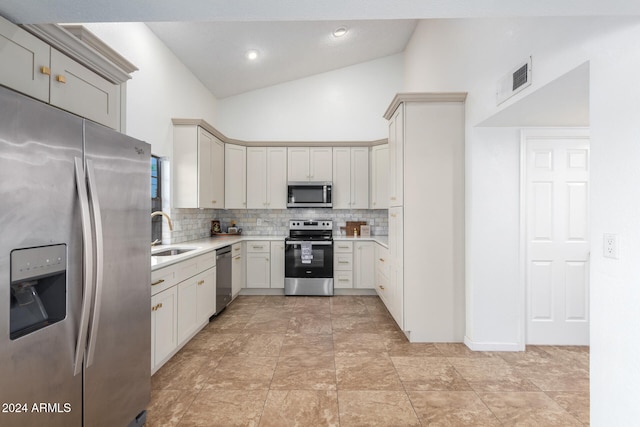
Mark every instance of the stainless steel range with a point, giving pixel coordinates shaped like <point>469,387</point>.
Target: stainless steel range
<point>308,261</point>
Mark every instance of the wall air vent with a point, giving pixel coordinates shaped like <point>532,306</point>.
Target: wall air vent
<point>515,81</point>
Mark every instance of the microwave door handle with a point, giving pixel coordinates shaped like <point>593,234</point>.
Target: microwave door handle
<point>87,248</point>
<point>324,194</point>
<point>99,248</point>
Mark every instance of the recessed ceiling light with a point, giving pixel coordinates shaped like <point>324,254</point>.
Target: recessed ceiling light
<point>339,32</point>
<point>252,54</point>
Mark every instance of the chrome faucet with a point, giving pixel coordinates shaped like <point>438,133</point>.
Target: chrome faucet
<point>156,213</point>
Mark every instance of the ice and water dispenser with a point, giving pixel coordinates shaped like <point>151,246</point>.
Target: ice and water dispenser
<point>38,288</point>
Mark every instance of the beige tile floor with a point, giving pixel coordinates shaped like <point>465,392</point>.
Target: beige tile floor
<point>341,361</point>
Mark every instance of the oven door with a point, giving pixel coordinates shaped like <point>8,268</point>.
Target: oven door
<point>318,265</point>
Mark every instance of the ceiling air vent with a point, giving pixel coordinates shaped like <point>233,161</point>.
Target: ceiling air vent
<point>514,82</point>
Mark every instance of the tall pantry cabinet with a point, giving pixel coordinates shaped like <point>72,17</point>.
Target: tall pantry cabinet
<point>426,215</point>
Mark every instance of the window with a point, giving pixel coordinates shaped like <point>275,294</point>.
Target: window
<point>156,198</point>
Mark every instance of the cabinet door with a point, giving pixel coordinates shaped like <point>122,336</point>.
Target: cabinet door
<point>218,174</point>
<point>396,268</point>
<point>341,190</point>
<point>164,326</point>
<point>359,178</point>
<point>258,269</point>
<point>77,89</point>
<point>236,275</point>
<point>277,178</point>
<point>396,157</point>
<point>298,164</point>
<point>187,315</point>
<point>380,177</point>
<point>364,267</point>
<point>205,190</point>
<point>235,175</point>
<point>205,295</point>
<point>277,264</point>
<point>23,57</point>
<point>256,178</point>
<point>320,164</point>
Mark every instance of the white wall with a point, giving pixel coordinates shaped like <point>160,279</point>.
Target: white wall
<point>162,89</point>
<point>470,55</point>
<point>341,105</point>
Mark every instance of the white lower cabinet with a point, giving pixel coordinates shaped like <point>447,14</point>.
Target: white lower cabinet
<point>183,298</point>
<point>198,292</point>
<point>258,264</point>
<point>236,269</point>
<point>164,322</point>
<point>343,265</point>
<point>264,264</point>
<point>363,265</point>
<point>277,264</point>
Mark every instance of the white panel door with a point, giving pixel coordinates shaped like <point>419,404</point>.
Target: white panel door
<point>556,198</point>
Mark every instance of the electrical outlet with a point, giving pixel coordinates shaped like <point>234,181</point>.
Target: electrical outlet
<point>259,221</point>
<point>611,246</point>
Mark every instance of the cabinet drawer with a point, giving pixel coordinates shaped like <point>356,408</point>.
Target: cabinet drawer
<point>382,260</point>
<point>343,279</point>
<point>342,262</point>
<point>258,246</point>
<point>162,279</point>
<point>340,246</point>
<point>383,289</point>
<point>236,249</point>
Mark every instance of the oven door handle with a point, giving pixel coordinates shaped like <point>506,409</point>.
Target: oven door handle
<point>313,243</point>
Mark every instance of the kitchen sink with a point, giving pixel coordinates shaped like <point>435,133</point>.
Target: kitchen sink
<point>172,251</point>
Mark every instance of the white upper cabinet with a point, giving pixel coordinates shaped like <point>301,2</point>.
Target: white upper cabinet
<point>25,62</point>
<point>396,157</point>
<point>379,177</point>
<point>266,178</point>
<point>198,168</point>
<point>76,89</point>
<point>350,178</point>
<point>310,163</point>
<point>235,176</point>
<point>32,67</point>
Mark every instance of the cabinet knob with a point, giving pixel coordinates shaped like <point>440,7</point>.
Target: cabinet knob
<point>61,79</point>
<point>381,287</point>
<point>214,201</point>
<point>160,305</point>
<point>381,259</point>
<point>45,70</point>
<point>200,282</point>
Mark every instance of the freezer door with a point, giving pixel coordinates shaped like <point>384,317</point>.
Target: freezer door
<point>118,372</point>
<point>40,219</point>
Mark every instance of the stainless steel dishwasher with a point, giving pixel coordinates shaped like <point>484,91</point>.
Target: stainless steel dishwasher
<point>223,278</point>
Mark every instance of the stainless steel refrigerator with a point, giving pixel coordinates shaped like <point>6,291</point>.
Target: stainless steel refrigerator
<point>74,270</point>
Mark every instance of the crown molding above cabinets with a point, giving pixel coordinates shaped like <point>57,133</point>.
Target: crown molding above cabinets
<point>205,125</point>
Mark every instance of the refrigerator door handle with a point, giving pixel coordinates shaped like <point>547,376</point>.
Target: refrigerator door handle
<point>87,249</point>
<point>99,250</point>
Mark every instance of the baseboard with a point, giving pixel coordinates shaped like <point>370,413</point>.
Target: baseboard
<point>492,346</point>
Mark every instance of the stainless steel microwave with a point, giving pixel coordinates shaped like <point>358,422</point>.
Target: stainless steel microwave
<point>310,194</point>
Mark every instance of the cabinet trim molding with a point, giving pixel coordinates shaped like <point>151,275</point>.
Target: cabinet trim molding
<point>423,97</point>
<point>227,140</point>
<point>83,46</point>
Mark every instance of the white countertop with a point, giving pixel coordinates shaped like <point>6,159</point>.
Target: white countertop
<point>209,244</point>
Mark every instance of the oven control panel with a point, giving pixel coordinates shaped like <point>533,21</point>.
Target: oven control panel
<point>306,224</point>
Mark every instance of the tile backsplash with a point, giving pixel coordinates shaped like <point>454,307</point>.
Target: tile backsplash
<point>192,224</point>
